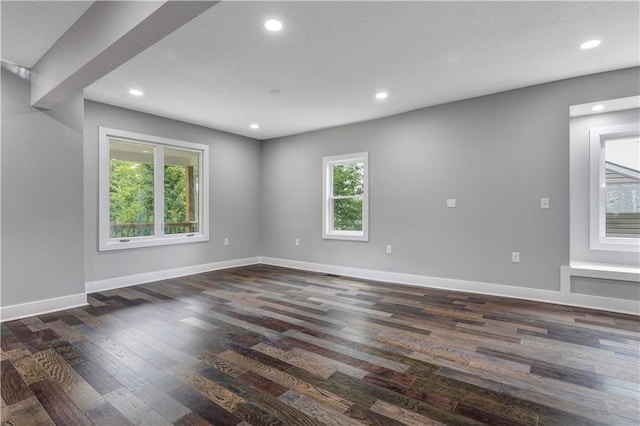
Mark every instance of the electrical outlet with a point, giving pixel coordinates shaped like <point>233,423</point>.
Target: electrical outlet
<point>544,203</point>
<point>451,203</point>
<point>515,257</point>
<point>226,241</point>
<point>389,249</point>
<point>297,242</point>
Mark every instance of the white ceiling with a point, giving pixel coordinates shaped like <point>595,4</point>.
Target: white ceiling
<point>332,57</point>
<point>30,28</point>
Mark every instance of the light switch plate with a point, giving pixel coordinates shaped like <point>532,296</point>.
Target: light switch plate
<point>451,203</point>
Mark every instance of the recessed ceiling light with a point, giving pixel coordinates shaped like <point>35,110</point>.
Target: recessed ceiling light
<point>135,92</point>
<point>381,95</point>
<point>273,25</point>
<point>590,44</point>
<point>254,125</point>
<point>598,108</point>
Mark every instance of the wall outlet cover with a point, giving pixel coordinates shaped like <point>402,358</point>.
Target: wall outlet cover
<point>544,203</point>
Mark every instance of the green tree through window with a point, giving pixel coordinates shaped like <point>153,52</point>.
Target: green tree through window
<point>345,197</point>
<point>348,181</point>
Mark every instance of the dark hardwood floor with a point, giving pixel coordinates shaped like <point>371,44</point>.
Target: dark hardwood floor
<point>262,345</point>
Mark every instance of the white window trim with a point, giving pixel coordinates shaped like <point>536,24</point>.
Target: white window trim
<point>327,179</point>
<point>597,217</point>
<point>157,143</point>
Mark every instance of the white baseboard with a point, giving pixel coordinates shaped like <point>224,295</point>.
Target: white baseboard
<point>39,307</point>
<point>129,280</point>
<point>563,297</point>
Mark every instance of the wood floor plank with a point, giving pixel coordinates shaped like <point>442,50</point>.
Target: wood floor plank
<point>253,415</point>
<point>30,369</point>
<point>262,383</point>
<point>58,405</point>
<point>28,412</point>
<point>96,376</point>
<point>107,414</point>
<point>57,368</point>
<point>293,358</point>
<point>368,417</point>
<point>191,419</point>
<point>350,351</point>
<point>212,391</point>
<point>264,402</point>
<point>134,409</point>
<point>402,415</point>
<point>316,410</point>
<point>263,345</point>
<point>204,407</point>
<point>288,381</point>
<point>14,389</point>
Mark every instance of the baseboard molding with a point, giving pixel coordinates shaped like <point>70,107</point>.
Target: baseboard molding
<point>39,307</point>
<point>547,296</point>
<point>129,280</point>
<point>563,297</point>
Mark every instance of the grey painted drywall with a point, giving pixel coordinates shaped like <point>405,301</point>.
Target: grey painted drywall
<point>234,206</point>
<point>497,155</point>
<point>42,210</point>
<point>605,288</point>
<point>580,192</point>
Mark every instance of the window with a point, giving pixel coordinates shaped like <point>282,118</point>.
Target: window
<point>615,188</point>
<point>345,188</point>
<point>153,191</point>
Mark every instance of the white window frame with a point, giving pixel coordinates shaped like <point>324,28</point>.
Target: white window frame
<point>106,243</point>
<point>327,196</point>
<point>597,215</point>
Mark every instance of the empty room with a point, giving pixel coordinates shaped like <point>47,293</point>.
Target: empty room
<point>320,213</point>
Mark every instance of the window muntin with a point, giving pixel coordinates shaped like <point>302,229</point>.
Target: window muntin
<point>345,197</point>
<point>615,188</point>
<point>152,191</point>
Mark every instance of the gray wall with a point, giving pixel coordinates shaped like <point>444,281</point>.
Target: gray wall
<point>42,210</point>
<point>496,154</point>
<point>605,288</point>
<point>580,191</point>
<point>234,199</point>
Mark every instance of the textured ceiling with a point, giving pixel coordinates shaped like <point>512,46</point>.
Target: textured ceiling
<point>330,59</point>
<point>30,28</point>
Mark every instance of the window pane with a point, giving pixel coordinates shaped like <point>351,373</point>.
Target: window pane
<point>181,193</point>
<point>347,214</point>
<point>130,189</point>
<point>622,188</point>
<point>348,179</point>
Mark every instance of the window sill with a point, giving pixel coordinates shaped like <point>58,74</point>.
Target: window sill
<point>141,242</point>
<point>603,271</point>
<point>346,237</point>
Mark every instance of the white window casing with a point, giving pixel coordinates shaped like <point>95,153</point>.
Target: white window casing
<point>157,146</point>
<point>598,238</point>
<point>329,198</point>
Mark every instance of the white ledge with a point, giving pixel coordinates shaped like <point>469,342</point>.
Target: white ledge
<point>603,271</point>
